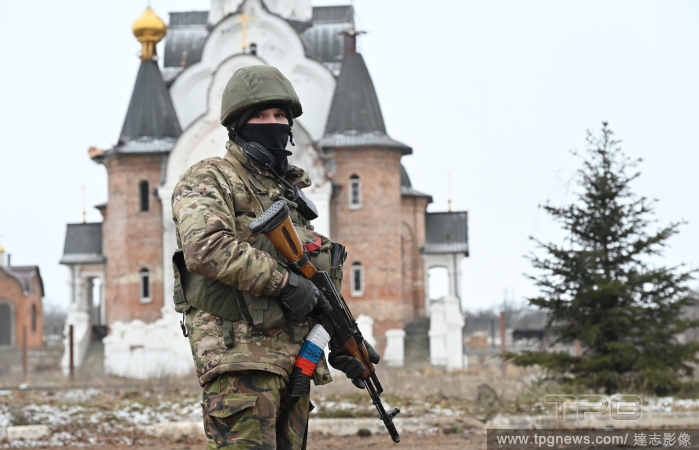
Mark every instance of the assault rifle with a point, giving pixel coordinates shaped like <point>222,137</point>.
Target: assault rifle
<point>336,323</point>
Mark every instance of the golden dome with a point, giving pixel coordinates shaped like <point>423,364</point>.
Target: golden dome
<point>2,249</point>
<point>149,29</point>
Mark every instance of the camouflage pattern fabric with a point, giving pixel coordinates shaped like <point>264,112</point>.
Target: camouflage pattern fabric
<point>250,410</point>
<point>272,351</point>
<point>212,210</point>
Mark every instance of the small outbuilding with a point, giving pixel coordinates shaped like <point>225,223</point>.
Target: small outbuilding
<point>21,313</point>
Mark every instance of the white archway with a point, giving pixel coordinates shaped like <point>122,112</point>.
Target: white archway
<point>450,261</point>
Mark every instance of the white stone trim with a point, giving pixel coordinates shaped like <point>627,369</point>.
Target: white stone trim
<point>82,333</point>
<point>394,354</point>
<point>148,350</point>
<point>446,333</point>
<point>300,10</point>
<point>366,327</point>
<point>80,313</point>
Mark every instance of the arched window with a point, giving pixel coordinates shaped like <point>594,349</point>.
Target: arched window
<point>144,276</point>
<point>7,323</point>
<point>357,280</point>
<point>355,192</point>
<point>143,195</point>
<point>33,318</point>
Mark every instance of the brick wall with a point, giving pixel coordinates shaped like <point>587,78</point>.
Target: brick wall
<point>11,290</point>
<point>132,239</point>
<point>372,233</point>
<point>413,239</point>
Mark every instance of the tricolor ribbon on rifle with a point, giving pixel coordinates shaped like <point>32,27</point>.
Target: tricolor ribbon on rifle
<point>312,350</point>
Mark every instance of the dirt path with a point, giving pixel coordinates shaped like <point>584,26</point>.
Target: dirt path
<point>468,441</point>
<point>409,442</point>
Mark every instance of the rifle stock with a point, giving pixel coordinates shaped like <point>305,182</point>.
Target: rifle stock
<point>276,225</point>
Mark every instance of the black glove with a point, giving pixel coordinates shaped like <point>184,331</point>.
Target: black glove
<point>351,366</point>
<point>300,296</point>
<point>374,356</point>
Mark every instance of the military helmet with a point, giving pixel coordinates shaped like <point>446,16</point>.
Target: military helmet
<point>254,87</point>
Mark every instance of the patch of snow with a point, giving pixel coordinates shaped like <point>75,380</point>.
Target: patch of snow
<point>79,395</point>
<point>670,404</point>
<point>5,416</point>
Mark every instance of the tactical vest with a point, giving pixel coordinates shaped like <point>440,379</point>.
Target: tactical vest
<point>233,305</point>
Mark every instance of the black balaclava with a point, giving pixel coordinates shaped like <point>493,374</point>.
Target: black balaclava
<point>273,137</point>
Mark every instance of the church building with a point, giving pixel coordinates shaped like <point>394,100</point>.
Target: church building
<point>363,193</point>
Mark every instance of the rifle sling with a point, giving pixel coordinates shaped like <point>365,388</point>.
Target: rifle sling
<point>243,174</point>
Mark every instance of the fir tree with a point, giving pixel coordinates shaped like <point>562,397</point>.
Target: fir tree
<point>603,286</point>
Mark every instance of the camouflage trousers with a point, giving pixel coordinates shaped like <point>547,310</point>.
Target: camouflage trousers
<point>250,410</point>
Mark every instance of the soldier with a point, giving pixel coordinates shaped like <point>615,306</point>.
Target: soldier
<point>245,314</point>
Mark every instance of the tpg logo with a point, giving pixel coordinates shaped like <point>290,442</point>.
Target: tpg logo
<point>624,407</point>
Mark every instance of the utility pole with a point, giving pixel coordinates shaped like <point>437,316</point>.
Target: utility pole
<point>25,369</point>
<point>72,367</point>
<point>503,343</point>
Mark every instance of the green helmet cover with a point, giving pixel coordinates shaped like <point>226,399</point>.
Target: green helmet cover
<point>253,87</point>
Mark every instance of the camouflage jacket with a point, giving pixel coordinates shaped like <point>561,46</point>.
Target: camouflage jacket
<point>212,209</point>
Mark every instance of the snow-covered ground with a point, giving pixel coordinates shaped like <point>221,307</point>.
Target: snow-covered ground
<point>648,404</point>
<point>83,407</point>
<point>364,408</point>
<point>670,404</point>
<point>89,416</point>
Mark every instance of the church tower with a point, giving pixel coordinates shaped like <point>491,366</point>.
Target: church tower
<point>366,204</point>
<point>132,217</point>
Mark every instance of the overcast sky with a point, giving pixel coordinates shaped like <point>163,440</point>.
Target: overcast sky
<point>491,94</point>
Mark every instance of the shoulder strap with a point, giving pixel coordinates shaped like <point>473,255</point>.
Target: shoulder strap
<point>242,173</point>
